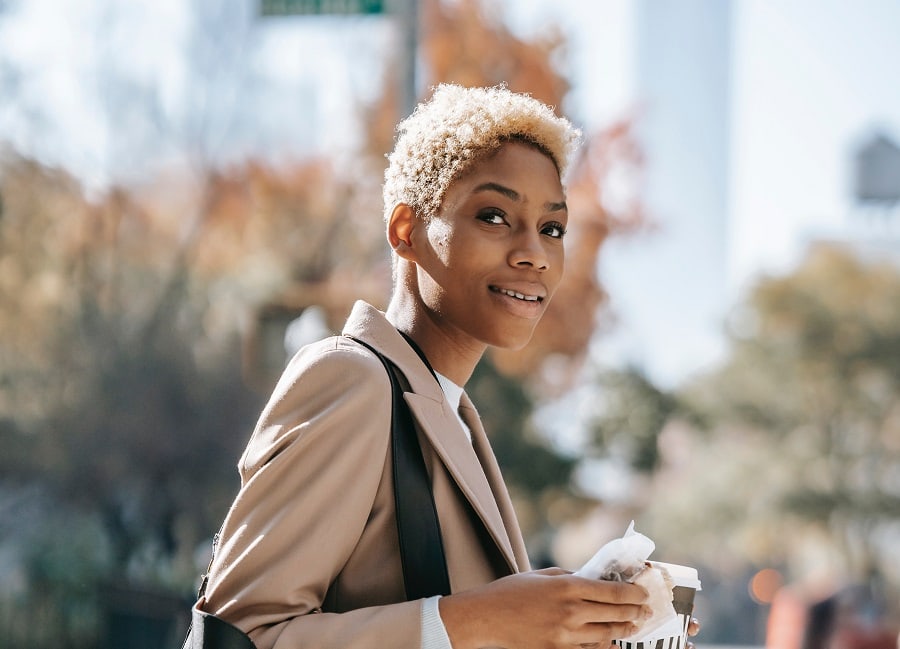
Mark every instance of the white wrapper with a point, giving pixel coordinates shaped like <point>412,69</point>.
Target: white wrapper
<point>626,559</point>
<point>620,559</point>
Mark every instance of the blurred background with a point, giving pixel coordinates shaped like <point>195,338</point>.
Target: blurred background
<point>191,190</point>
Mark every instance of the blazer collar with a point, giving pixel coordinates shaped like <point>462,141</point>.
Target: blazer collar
<point>369,324</point>
<point>472,465</point>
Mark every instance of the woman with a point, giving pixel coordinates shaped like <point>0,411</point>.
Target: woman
<point>308,555</point>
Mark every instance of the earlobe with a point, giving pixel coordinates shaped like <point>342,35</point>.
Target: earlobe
<point>400,229</point>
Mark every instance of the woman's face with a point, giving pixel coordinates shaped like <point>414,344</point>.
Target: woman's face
<point>494,251</point>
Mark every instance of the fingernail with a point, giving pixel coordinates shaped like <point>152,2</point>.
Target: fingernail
<point>646,612</point>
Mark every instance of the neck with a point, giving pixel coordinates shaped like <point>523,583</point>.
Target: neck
<point>453,356</point>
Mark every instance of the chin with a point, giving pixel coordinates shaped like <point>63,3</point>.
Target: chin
<point>513,343</point>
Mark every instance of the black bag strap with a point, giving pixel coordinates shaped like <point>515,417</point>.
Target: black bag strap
<point>210,632</point>
<point>421,548</point>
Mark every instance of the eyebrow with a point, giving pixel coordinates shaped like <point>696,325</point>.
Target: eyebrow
<point>513,195</point>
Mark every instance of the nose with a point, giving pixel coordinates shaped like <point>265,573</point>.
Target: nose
<point>528,251</point>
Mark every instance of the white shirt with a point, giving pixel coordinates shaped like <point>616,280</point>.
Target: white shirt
<point>453,393</point>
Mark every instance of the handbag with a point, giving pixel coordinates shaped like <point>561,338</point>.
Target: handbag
<point>421,548</point>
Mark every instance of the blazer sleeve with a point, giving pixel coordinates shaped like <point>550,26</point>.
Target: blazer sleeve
<point>309,477</point>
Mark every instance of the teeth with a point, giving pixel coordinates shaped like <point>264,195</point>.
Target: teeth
<point>521,296</point>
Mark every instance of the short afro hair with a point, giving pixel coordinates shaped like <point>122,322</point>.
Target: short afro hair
<point>459,126</point>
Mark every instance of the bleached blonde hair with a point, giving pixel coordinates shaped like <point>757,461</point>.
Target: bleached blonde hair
<point>459,126</point>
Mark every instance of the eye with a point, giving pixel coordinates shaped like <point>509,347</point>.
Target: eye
<point>492,216</point>
<point>554,229</point>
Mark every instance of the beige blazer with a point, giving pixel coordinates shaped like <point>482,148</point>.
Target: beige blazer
<point>308,554</point>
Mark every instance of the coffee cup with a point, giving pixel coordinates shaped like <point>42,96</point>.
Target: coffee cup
<point>672,635</point>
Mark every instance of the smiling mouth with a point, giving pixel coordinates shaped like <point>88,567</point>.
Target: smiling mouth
<point>517,295</point>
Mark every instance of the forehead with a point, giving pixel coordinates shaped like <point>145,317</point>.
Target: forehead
<point>516,162</point>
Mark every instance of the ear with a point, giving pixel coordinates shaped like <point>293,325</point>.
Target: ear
<point>400,230</point>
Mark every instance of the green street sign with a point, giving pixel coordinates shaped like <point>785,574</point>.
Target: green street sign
<point>320,7</point>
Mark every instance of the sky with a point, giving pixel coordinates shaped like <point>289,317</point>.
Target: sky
<point>809,80</point>
<point>816,79</point>
<point>76,59</point>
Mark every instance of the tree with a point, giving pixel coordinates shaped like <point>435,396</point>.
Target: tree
<point>123,400</point>
<point>124,315</point>
<point>113,402</point>
<point>786,455</point>
<point>124,312</point>
<point>632,415</point>
<point>799,453</point>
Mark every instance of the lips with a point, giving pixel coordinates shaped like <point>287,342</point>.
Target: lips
<point>526,297</point>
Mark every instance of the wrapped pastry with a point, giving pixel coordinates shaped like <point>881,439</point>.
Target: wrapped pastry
<point>626,559</point>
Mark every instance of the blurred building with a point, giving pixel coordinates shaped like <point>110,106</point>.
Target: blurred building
<point>749,115</point>
<point>877,172</point>
<point>871,226</point>
<point>669,287</point>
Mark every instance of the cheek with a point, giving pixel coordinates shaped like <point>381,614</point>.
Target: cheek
<point>557,265</point>
<point>439,235</point>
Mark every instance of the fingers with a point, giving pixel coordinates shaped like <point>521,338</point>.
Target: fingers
<point>597,635</point>
<point>552,572</point>
<point>693,629</point>
<point>609,610</point>
<point>612,592</point>
<point>694,626</point>
<point>600,616</point>
<point>595,590</point>
<point>602,609</point>
<point>598,645</point>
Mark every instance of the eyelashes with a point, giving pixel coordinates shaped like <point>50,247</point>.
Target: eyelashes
<point>553,229</point>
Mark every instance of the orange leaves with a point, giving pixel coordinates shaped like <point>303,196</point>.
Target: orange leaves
<point>462,44</point>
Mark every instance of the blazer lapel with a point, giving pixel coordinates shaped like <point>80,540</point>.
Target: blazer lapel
<point>488,461</point>
<point>464,464</point>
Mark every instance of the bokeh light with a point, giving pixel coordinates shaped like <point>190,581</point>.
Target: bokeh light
<point>764,584</point>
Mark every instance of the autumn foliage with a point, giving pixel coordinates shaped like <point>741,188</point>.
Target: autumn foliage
<point>130,319</point>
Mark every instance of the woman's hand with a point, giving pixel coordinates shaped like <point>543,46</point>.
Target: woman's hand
<point>693,629</point>
<point>543,609</point>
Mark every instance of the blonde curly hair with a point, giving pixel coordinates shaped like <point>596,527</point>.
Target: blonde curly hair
<point>457,127</point>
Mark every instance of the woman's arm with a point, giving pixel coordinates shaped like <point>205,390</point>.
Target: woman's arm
<point>309,479</point>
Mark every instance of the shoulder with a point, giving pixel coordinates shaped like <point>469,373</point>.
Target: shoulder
<point>330,390</point>
<point>337,361</point>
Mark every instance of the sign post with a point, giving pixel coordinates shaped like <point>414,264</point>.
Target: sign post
<point>405,10</point>
<point>320,7</point>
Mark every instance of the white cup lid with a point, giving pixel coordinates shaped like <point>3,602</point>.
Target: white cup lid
<point>681,575</point>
